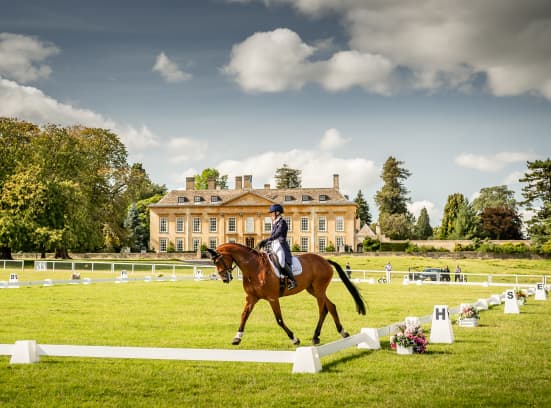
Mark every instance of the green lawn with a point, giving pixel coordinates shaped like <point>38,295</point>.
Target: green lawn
<point>503,362</point>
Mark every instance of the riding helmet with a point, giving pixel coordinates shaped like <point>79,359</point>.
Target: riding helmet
<point>276,208</point>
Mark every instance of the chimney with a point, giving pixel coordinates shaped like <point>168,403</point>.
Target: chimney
<point>190,183</point>
<point>211,183</point>
<point>336,182</point>
<point>248,181</point>
<point>238,183</point>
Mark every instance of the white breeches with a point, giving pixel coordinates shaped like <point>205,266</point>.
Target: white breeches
<point>278,250</point>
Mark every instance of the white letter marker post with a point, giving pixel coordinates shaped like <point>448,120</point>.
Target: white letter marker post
<point>441,330</point>
<point>540,292</point>
<point>511,304</point>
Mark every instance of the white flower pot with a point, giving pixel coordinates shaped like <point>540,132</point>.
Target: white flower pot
<point>468,322</point>
<point>404,350</point>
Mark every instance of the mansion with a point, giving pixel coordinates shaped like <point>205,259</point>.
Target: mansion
<point>318,218</point>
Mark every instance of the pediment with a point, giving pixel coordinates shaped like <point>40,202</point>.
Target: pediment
<point>248,199</point>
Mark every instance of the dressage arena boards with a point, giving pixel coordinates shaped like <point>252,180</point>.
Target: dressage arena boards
<point>304,359</point>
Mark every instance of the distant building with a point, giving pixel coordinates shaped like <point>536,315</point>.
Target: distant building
<point>184,220</point>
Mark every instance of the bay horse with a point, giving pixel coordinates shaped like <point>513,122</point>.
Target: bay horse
<point>260,282</point>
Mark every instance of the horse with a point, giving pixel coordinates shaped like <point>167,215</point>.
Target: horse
<point>261,282</point>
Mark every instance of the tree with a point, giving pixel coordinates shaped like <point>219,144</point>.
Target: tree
<point>459,220</point>
<point>422,229</point>
<point>501,223</point>
<point>202,180</point>
<point>394,219</point>
<point>537,198</point>
<point>287,177</point>
<point>363,209</point>
<point>494,197</point>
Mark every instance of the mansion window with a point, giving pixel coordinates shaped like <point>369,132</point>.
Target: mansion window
<point>304,224</point>
<point>196,244</point>
<point>267,224</point>
<point>163,244</point>
<point>163,224</point>
<point>196,224</point>
<point>249,225</point>
<point>322,244</point>
<point>289,223</point>
<point>212,225</point>
<point>179,224</point>
<point>179,245</point>
<point>232,226</point>
<point>339,224</point>
<point>322,224</point>
<point>304,244</point>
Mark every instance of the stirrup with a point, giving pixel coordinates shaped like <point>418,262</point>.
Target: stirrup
<point>291,284</point>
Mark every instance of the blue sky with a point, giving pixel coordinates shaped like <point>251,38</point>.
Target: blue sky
<point>458,91</point>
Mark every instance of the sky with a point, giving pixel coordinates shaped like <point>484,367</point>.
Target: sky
<point>459,92</point>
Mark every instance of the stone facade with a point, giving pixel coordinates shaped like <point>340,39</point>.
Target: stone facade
<point>318,218</point>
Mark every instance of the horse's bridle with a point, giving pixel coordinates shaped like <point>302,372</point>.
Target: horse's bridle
<point>225,268</point>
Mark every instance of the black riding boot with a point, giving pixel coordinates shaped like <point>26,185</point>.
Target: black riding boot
<point>291,282</point>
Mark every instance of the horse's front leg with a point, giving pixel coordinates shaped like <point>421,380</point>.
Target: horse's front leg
<point>250,301</point>
<point>279,319</point>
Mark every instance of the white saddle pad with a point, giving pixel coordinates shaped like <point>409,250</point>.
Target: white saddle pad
<point>296,267</point>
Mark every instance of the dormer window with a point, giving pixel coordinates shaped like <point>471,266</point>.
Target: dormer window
<point>324,197</point>
<point>182,199</point>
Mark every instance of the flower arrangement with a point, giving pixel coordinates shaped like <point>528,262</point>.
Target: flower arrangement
<point>468,311</point>
<point>409,335</point>
<point>521,295</point>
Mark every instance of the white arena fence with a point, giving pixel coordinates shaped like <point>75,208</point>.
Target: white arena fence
<point>304,359</point>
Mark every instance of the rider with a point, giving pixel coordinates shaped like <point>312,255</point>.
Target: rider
<point>279,243</point>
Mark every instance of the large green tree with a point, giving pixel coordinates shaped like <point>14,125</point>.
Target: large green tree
<point>395,220</point>
<point>363,209</point>
<point>537,198</point>
<point>287,177</point>
<point>202,180</point>
<point>459,220</point>
<point>422,229</point>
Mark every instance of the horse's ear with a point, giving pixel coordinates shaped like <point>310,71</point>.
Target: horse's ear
<point>213,253</point>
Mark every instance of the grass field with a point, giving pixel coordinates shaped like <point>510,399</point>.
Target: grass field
<point>505,361</point>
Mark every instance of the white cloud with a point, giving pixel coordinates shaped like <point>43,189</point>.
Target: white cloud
<point>332,139</point>
<point>20,56</point>
<point>416,207</point>
<point>445,43</point>
<point>278,61</point>
<point>491,163</point>
<point>270,61</point>
<point>31,104</point>
<point>186,149</point>
<point>169,70</point>
<point>317,169</point>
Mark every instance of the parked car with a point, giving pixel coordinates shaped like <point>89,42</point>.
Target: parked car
<point>433,274</point>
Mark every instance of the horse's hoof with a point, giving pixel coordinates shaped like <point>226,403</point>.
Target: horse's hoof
<point>236,341</point>
<point>315,341</point>
<point>296,342</point>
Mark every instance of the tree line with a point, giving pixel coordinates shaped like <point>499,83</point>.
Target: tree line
<point>70,188</point>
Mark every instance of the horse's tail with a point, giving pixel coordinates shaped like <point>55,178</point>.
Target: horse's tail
<point>360,305</point>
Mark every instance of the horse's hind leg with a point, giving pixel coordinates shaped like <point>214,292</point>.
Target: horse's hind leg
<point>249,305</point>
<point>322,314</point>
<point>279,319</point>
<point>333,310</point>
